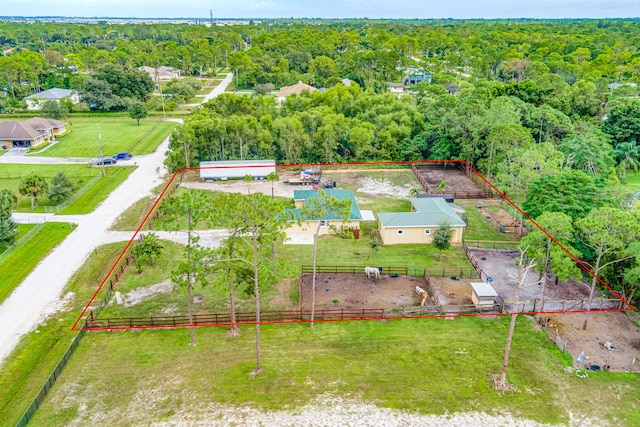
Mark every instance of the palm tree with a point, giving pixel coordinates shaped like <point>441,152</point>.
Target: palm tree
<point>628,154</point>
<point>32,186</point>
<point>273,177</point>
<point>248,179</point>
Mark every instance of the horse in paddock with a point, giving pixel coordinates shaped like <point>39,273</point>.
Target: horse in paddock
<point>372,271</point>
<point>423,294</point>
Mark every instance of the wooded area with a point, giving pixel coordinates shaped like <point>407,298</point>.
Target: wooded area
<point>548,110</point>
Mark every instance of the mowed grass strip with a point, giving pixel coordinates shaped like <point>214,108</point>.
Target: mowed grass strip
<point>118,134</point>
<point>18,264</point>
<point>99,191</point>
<point>429,366</point>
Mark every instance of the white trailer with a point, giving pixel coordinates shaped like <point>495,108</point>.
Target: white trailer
<point>236,169</point>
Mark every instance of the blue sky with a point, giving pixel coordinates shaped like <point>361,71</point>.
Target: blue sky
<point>327,8</point>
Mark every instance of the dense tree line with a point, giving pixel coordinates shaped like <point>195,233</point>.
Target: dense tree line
<point>547,109</point>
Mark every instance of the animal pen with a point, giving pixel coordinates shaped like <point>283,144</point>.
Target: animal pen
<point>458,179</point>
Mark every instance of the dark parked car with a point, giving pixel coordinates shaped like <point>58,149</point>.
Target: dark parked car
<point>123,156</point>
<point>106,161</point>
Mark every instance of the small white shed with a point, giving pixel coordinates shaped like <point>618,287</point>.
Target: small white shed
<point>483,295</point>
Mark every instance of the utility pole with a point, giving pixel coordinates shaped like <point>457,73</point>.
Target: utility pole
<point>104,172</point>
<point>186,152</point>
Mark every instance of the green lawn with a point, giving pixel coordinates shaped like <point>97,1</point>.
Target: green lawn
<point>18,264</point>
<point>10,176</point>
<point>132,217</point>
<point>80,175</point>
<point>478,228</point>
<point>28,366</point>
<point>118,134</point>
<point>99,191</point>
<point>423,366</point>
<point>428,366</point>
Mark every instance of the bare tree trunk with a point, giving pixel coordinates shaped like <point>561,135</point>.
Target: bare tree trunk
<point>234,331</point>
<point>191,331</point>
<point>258,369</point>
<point>592,291</point>
<point>507,351</point>
<point>313,280</point>
<point>594,280</point>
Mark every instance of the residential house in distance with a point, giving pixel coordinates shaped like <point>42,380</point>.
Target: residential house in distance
<point>419,225</point>
<point>161,73</point>
<point>30,133</point>
<point>414,77</point>
<point>297,89</point>
<point>35,101</point>
<point>330,221</point>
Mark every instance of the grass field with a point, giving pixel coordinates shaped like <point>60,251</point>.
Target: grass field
<point>138,378</point>
<point>26,369</point>
<point>18,264</point>
<point>118,134</point>
<point>80,175</point>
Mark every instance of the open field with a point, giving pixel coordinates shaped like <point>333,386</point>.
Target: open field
<point>419,366</point>
<point>18,264</point>
<point>118,134</point>
<point>478,227</point>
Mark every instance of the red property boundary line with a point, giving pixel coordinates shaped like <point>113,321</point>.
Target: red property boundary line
<point>625,303</point>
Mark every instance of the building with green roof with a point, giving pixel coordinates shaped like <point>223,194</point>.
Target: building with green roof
<point>328,222</point>
<point>419,225</point>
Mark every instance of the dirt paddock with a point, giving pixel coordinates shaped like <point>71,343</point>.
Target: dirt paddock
<point>617,328</point>
<point>457,181</point>
<point>339,290</point>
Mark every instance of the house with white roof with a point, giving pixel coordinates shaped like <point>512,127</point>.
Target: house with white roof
<point>35,101</point>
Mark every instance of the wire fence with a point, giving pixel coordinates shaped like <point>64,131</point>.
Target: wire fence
<point>76,196</point>
<point>21,241</point>
<point>50,381</point>
<point>144,135</point>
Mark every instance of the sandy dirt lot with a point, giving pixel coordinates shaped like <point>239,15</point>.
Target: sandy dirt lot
<point>456,181</point>
<point>616,328</point>
<point>373,187</point>
<point>500,265</point>
<point>358,291</point>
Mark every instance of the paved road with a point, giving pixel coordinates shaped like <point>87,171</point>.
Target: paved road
<point>35,299</point>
